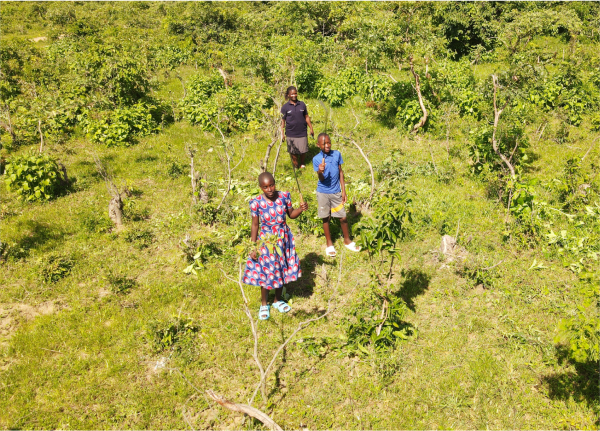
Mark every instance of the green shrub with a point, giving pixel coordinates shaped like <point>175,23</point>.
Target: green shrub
<point>582,332</point>
<point>123,125</point>
<point>55,267</point>
<point>140,237</point>
<point>370,332</point>
<point>34,177</point>
<point>178,335</point>
<point>595,122</point>
<point>481,150</point>
<point>237,107</point>
<point>392,211</point>
<point>337,89</point>
<point>307,78</point>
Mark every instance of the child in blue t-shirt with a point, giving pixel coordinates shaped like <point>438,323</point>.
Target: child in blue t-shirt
<point>331,192</point>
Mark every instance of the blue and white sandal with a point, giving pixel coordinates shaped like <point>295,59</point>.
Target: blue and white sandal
<point>282,306</point>
<point>263,312</point>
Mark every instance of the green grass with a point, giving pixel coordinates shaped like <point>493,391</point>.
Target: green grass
<point>483,357</point>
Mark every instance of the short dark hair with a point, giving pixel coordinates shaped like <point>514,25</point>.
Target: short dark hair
<point>265,176</point>
<point>323,135</point>
<point>287,92</point>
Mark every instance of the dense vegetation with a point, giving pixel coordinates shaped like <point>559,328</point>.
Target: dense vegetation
<point>131,137</point>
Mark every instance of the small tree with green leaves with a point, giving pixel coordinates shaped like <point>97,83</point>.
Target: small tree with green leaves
<point>35,177</point>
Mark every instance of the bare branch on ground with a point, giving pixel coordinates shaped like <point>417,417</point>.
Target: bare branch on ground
<point>243,408</point>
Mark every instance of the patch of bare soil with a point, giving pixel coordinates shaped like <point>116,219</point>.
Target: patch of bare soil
<point>13,314</point>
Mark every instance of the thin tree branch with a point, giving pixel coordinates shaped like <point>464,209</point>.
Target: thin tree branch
<point>41,136</point>
<point>243,408</point>
<point>423,119</point>
<point>253,327</point>
<point>497,113</point>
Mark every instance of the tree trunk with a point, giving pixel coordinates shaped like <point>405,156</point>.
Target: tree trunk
<point>115,211</point>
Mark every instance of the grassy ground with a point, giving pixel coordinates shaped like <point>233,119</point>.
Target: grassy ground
<point>79,353</point>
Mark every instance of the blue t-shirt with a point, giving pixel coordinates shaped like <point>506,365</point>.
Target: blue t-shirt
<point>331,176</point>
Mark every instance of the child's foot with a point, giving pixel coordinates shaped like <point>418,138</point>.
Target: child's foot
<point>352,246</point>
<point>282,306</point>
<point>263,312</point>
<point>330,251</point>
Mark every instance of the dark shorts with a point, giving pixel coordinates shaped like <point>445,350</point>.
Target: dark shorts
<point>330,203</point>
<point>297,145</point>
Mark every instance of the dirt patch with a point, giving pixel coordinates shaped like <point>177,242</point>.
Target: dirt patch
<point>38,39</point>
<point>13,314</point>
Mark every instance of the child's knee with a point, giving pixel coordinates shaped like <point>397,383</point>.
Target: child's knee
<point>343,220</point>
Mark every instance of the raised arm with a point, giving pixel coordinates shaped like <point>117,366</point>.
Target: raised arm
<point>295,212</point>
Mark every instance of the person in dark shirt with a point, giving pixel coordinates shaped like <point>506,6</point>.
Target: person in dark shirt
<point>294,119</point>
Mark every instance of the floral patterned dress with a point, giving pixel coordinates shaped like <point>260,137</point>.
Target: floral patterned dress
<point>273,269</point>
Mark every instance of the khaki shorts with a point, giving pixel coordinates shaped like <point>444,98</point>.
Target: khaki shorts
<point>297,145</point>
<point>330,204</point>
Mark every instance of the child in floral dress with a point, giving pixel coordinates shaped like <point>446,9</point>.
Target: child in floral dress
<point>276,265</point>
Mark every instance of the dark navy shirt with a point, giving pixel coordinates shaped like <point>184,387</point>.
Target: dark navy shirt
<point>331,176</point>
<point>295,123</point>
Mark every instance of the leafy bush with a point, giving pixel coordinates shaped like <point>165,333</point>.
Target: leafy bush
<point>55,267</point>
<point>391,213</point>
<point>353,81</point>
<point>375,331</point>
<point>582,332</point>
<point>197,252</point>
<point>177,335</point>
<point>232,108</point>
<point>34,177</point>
<point>482,152</point>
<point>140,237</point>
<point>574,186</point>
<point>122,125</point>
<point>307,78</point>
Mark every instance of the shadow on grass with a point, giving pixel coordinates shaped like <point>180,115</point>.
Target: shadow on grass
<point>582,385</point>
<point>304,286</point>
<point>415,283</point>
<point>34,235</point>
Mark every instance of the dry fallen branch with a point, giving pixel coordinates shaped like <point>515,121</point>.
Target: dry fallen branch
<point>423,119</point>
<point>243,408</point>
<point>252,327</point>
<point>264,372</point>
<point>491,267</point>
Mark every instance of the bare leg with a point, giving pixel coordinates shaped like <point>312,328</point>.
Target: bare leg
<point>295,160</point>
<point>345,230</point>
<point>278,293</point>
<point>264,293</point>
<point>326,231</point>
<point>302,159</point>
